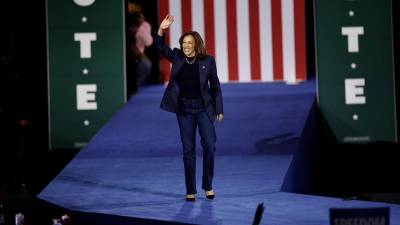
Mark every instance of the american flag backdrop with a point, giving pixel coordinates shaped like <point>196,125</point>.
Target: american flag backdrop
<point>252,40</point>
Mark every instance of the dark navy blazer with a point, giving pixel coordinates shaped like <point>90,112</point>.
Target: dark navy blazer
<point>210,88</point>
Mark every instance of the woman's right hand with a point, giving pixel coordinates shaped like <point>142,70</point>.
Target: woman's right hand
<point>165,24</point>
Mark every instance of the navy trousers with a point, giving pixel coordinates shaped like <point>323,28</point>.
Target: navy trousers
<point>191,116</point>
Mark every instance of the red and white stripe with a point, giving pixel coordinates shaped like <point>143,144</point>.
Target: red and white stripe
<point>252,40</point>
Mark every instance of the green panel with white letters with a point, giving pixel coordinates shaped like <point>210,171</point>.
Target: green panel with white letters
<point>355,74</point>
<point>86,62</point>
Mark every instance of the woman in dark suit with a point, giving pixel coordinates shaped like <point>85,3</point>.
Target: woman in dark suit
<point>194,94</point>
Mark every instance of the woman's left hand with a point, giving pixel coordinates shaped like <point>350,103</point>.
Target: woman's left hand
<point>220,117</point>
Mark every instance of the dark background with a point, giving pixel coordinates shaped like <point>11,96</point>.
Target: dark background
<point>23,36</point>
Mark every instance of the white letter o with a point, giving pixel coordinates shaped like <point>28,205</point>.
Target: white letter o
<point>84,2</point>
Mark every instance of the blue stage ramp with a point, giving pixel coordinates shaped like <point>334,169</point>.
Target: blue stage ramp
<point>133,166</point>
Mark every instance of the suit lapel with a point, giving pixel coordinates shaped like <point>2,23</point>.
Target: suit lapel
<point>178,66</point>
<point>202,72</point>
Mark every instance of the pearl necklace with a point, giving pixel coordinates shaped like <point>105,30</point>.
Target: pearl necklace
<point>190,62</point>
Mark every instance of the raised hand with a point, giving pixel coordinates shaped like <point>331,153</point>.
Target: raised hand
<point>165,24</point>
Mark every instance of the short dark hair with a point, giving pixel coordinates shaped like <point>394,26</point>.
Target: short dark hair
<point>199,46</point>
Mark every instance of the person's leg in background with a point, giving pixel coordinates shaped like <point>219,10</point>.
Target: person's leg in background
<point>142,70</point>
<point>137,72</point>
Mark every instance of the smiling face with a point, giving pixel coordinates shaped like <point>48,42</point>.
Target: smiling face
<point>188,46</point>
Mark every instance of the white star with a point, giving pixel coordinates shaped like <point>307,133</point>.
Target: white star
<point>351,13</point>
<point>86,122</point>
<point>85,71</point>
<point>84,19</point>
<point>355,117</point>
<point>353,65</point>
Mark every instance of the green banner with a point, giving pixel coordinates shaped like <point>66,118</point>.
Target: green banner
<point>86,62</point>
<point>355,75</point>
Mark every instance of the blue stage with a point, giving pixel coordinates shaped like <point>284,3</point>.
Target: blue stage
<point>133,166</point>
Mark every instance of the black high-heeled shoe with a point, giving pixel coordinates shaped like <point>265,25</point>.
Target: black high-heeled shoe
<point>210,194</point>
<point>191,198</point>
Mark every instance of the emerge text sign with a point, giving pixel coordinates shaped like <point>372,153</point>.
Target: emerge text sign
<point>86,64</point>
<point>354,46</point>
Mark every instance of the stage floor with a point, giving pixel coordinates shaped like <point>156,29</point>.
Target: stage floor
<point>133,167</point>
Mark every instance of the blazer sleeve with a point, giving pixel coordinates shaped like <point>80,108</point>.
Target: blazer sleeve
<point>163,48</point>
<point>215,87</point>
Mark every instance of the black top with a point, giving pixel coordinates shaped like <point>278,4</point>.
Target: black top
<point>189,80</point>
